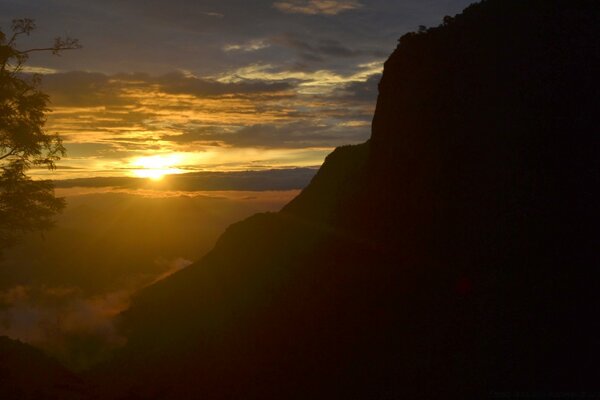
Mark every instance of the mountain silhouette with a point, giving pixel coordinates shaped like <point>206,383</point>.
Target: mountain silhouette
<point>27,374</point>
<point>453,255</point>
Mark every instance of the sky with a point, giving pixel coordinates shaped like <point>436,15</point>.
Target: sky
<point>185,86</point>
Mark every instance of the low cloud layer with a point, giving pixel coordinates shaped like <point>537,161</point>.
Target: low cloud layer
<point>78,329</point>
<point>255,181</point>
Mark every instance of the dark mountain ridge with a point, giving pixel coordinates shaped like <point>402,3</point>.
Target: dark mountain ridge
<point>454,255</point>
<point>26,373</point>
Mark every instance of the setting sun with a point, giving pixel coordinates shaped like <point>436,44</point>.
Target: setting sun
<point>156,167</point>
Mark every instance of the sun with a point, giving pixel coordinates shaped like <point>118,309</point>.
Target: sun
<point>156,167</point>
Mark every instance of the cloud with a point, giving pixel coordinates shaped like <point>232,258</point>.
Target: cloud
<point>314,7</point>
<point>323,49</point>
<point>109,119</point>
<point>258,180</point>
<point>213,14</point>
<point>253,45</point>
<point>92,149</point>
<point>291,135</point>
<point>145,35</point>
<point>336,49</point>
<point>361,91</point>
<point>321,81</point>
<point>30,69</point>
<point>177,83</point>
<point>293,41</point>
<point>82,89</point>
<point>86,89</point>
<point>75,327</point>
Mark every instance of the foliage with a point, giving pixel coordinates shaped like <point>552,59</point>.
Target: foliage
<point>25,204</point>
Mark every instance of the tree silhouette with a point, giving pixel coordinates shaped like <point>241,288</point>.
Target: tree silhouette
<point>25,204</point>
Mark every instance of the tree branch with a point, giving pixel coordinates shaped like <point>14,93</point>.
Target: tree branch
<point>53,49</point>
<point>10,153</point>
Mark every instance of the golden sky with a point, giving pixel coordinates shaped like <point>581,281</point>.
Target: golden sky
<point>139,125</point>
<point>214,84</point>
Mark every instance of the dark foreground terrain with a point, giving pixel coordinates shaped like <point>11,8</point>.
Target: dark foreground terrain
<point>453,255</point>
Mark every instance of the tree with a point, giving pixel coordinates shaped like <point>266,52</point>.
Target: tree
<point>25,204</point>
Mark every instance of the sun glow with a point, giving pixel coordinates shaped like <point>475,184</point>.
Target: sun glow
<point>156,167</point>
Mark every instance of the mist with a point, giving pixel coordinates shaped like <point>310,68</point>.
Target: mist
<point>64,290</point>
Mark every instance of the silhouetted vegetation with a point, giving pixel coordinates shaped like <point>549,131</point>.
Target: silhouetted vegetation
<point>26,373</point>
<point>25,205</point>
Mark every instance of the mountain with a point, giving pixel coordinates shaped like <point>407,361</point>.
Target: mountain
<point>27,374</point>
<point>453,255</point>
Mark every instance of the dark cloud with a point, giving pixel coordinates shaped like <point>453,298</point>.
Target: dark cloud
<point>85,89</point>
<point>361,91</point>
<point>336,49</point>
<point>152,36</point>
<point>275,179</point>
<point>300,134</point>
<point>177,83</point>
<point>90,149</point>
<point>322,49</point>
<point>293,41</point>
<point>81,89</point>
<point>310,57</point>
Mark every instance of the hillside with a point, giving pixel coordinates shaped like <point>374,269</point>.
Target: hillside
<point>453,255</point>
<point>27,374</point>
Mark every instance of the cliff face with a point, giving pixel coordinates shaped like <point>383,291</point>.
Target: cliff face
<point>453,254</point>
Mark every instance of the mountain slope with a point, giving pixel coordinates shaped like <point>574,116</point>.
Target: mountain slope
<point>26,373</point>
<point>452,255</point>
